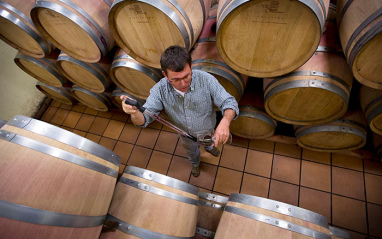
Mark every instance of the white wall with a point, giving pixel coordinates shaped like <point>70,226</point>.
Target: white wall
<point>18,94</point>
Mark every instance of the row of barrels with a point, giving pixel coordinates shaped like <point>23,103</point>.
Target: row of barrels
<point>255,38</point>
<point>68,190</point>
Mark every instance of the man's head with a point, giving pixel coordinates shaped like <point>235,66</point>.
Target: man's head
<point>176,67</point>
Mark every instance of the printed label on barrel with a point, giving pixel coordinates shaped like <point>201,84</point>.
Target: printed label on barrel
<point>270,12</point>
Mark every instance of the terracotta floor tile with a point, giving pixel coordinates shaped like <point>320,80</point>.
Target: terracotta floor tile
<point>348,183</point>
<point>105,114</point>
<point>180,168</point>
<point>99,125</point>
<point>349,213</point>
<point>120,116</point>
<point>373,188</point>
<point>66,128</point>
<point>209,158</point>
<point>159,162</point>
<point>59,116</point>
<point>114,129</point>
<point>316,201</point>
<point>239,141</point>
<point>38,115</point>
<point>79,108</point>
<point>93,137</point>
<point>107,143</point>
<point>373,167</point>
<point>227,181</point>
<point>255,185</point>
<point>319,157</point>
<point>123,150</point>
<point>233,157</point>
<point>80,133</point>
<point>290,150</point>
<point>347,162</point>
<point>148,137</point>
<point>155,125</point>
<point>316,175</point>
<point>49,113</point>
<point>167,142</point>
<point>66,107</point>
<point>206,178</point>
<point>283,192</point>
<point>259,163</point>
<point>130,133</point>
<point>85,122</point>
<point>90,111</point>
<point>55,103</point>
<point>139,157</point>
<point>72,119</point>
<point>262,145</point>
<point>121,169</point>
<point>355,235</point>
<point>286,169</point>
<point>179,150</point>
<point>375,219</point>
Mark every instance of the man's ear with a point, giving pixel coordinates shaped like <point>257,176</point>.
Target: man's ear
<point>164,74</point>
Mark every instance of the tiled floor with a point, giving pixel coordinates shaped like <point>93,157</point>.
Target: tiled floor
<point>346,190</point>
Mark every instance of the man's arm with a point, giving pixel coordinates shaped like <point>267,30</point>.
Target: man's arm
<point>222,131</point>
<point>136,116</point>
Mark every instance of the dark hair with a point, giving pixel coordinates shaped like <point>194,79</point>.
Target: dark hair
<point>175,59</point>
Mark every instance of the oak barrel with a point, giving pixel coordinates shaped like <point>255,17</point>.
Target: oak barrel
<point>337,233</point>
<point>253,121</point>
<point>53,183</point>
<point>347,133</point>
<point>211,208</point>
<point>61,94</point>
<point>371,102</point>
<point>97,101</point>
<point>133,77</point>
<point>266,38</point>
<point>18,30</point>
<point>144,29</point>
<point>43,69</point>
<point>318,91</point>
<point>151,205</point>
<point>248,216</point>
<point>377,143</point>
<point>78,28</point>
<point>360,30</point>
<point>90,76</point>
<point>205,57</point>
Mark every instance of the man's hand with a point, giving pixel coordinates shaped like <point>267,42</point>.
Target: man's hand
<point>222,131</point>
<point>136,116</point>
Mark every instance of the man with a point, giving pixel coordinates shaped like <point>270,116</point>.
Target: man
<point>186,95</point>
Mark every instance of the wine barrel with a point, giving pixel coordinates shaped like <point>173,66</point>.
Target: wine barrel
<point>116,94</point>
<point>360,30</point>
<point>97,101</point>
<point>318,91</point>
<point>211,208</point>
<point>90,76</point>
<point>253,122</point>
<point>61,94</point>
<point>151,205</point>
<point>205,57</point>
<point>337,233</point>
<point>347,133</point>
<point>144,29</point>
<point>269,38</point>
<point>371,105</point>
<point>63,190</point>
<point>133,77</point>
<point>377,143</point>
<point>248,216</point>
<point>78,28</point>
<point>43,69</point>
<point>18,30</point>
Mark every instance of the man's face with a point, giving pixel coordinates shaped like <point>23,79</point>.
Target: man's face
<point>180,80</point>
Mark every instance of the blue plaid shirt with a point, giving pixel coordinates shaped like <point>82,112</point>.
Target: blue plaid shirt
<point>195,111</point>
